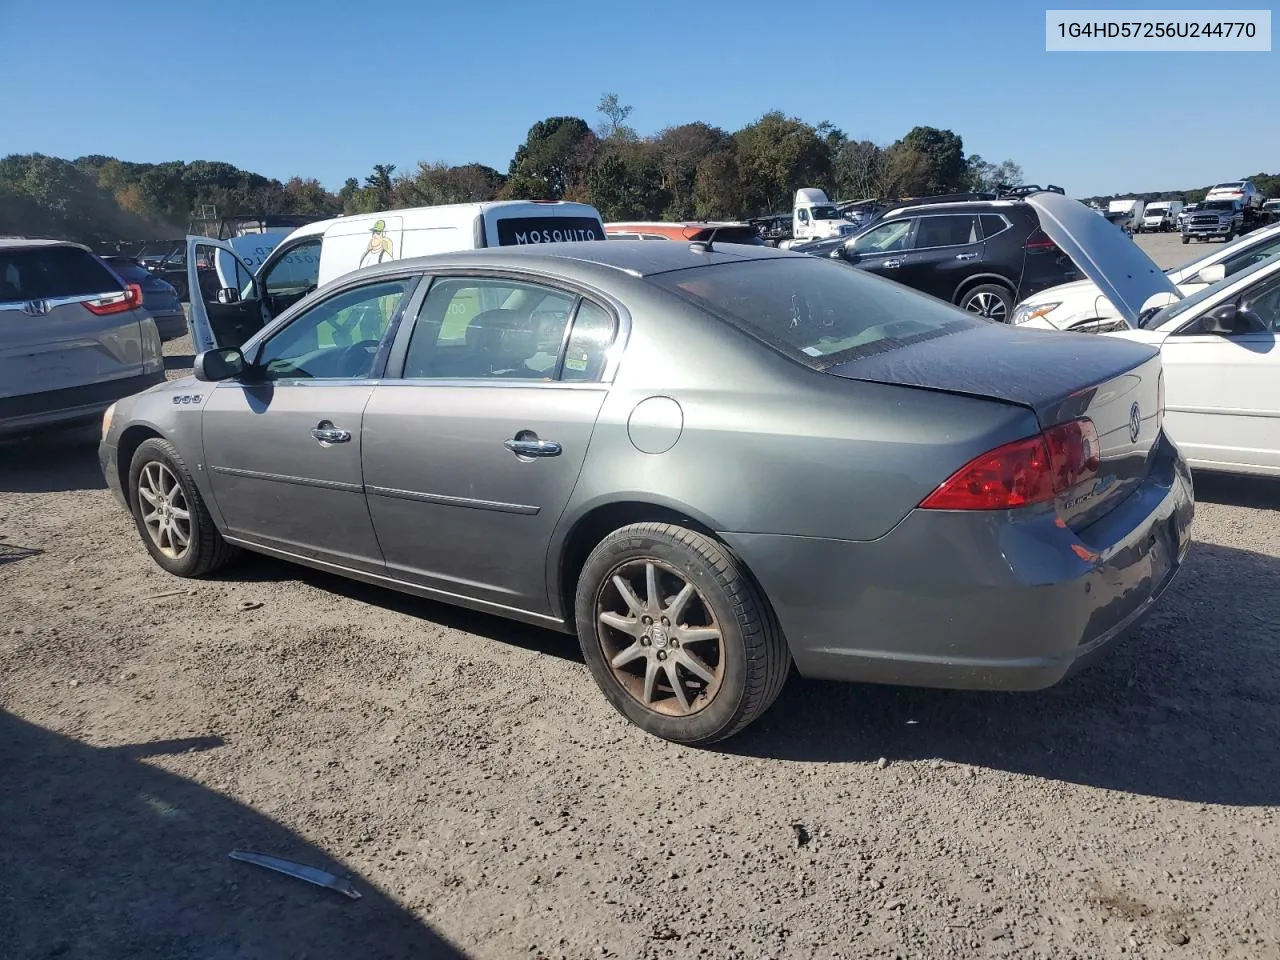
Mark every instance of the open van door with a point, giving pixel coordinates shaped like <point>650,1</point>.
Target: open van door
<point>226,307</point>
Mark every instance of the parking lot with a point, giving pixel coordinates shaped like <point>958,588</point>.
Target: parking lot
<point>489,803</point>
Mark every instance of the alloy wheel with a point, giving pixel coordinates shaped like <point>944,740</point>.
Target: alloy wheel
<point>660,637</point>
<point>988,305</point>
<point>164,512</point>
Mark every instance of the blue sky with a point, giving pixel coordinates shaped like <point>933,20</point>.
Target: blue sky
<point>326,88</point>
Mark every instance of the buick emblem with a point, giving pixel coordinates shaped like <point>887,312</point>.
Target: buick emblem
<point>35,308</point>
<point>1135,422</point>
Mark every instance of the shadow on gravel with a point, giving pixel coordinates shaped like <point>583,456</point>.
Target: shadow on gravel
<point>180,361</point>
<point>1187,708</point>
<point>52,462</point>
<point>105,856</point>
<point>256,568</point>
<point>1261,493</point>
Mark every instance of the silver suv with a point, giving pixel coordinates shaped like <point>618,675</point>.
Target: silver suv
<point>74,337</point>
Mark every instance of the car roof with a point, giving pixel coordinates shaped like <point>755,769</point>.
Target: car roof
<point>18,243</point>
<point>592,256</point>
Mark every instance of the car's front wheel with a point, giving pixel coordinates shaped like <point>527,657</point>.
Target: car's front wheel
<point>170,514</point>
<point>988,300</point>
<point>677,635</point>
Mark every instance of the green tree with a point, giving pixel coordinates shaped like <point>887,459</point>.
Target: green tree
<point>928,161</point>
<point>861,170</point>
<point>715,187</point>
<point>984,176</point>
<point>625,182</point>
<point>378,186</point>
<point>435,183</point>
<point>776,155</point>
<point>680,150</point>
<point>553,161</point>
<point>615,119</point>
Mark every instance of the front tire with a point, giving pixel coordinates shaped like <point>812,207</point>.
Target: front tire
<point>988,300</point>
<point>1185,239</point>
<point>677,635</point>
<point>171,516</point>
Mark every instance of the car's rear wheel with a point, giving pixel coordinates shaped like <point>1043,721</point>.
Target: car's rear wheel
<point>988,300</point>
<point>677,635</point>
<point>1186,239</point>
<point>170,514</point>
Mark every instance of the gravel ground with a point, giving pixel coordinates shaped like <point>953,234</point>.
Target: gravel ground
<point>489,804</point>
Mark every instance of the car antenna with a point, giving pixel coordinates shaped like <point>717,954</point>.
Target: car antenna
<point>704,246</point>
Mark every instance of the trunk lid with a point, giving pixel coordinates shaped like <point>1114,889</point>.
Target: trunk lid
<point>1124,274</point>
<point>1060,378</point>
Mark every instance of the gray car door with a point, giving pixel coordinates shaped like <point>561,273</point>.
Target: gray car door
<point>471,455</point>
<point>282,444</point>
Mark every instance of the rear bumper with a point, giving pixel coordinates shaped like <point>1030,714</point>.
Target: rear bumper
<point>171,325</point>
<point>34,411</point>
<point>976,601</point>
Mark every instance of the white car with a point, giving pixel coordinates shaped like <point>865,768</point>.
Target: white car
<point>1081,307</point>
<point>1243,190</point>
<point>1222,371</point>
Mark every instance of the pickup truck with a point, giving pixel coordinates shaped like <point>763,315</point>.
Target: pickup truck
<point>1214,219</point>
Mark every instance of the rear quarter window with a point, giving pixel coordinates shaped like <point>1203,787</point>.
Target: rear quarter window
<point>814,311</point>
<point>522,231</point>
<point>47,273</point>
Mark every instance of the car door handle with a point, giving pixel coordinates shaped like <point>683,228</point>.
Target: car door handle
<point>326,432</point>
<point>892,264</point>
<point>532,447</point>
<point>966,256</point>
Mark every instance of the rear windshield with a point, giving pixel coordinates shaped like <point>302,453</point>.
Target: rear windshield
<point>814,311</point>
<point>519,231</point>
<point>130,271</point>
<point>46,273</point>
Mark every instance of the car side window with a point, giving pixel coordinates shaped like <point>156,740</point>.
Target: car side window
<point>1265,305</point>
<point>885,238</point>
<point>588,346</point>
<point>296,272</point>
<point>337,339</point>
<point>803,216</point>
<point>992,223</point>
<point>472,328</point>
<point>951,230</point>
<point>1248,258</point>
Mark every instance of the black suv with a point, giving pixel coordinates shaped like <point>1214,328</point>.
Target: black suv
<point>983,255</point>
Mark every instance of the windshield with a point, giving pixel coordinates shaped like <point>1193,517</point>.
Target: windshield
<point>1186,304</point>
<point>1217,205</point>
<point>825,213</point>
<point>814,311</point>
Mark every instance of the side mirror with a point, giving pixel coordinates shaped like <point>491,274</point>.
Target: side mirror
<point>225,363</point>
<point>228,295</point>
<point>1212,273</point>
<point>1229,318</point>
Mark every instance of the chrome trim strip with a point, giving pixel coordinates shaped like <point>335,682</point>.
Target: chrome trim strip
<point>284,478</point>
<point>1222,411</point>
<point>498,506</point>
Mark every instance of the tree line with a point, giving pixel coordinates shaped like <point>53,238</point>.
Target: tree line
<point>690,171</point>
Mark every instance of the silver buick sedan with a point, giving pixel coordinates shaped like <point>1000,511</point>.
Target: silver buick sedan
<point>705,461</point>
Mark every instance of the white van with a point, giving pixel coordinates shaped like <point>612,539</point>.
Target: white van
<point>322,251</point>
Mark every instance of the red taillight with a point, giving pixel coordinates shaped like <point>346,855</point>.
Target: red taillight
<point>121,302</point>
<point>1038,241</point>
<point>1024,472</point>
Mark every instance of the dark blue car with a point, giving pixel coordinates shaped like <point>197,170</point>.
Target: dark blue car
<point>159,298</point>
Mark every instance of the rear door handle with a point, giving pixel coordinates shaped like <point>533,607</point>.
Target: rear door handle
<point>532,447</point>
<point>966,256</point>
<point>325,432</point>
<point>892,264</point>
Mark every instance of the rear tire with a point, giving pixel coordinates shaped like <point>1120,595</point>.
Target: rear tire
<point>171,516</point>
<point>677,635</point>
<point>988,300</point>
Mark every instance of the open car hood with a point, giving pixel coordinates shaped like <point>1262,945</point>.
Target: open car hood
<point>1124,274</point>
